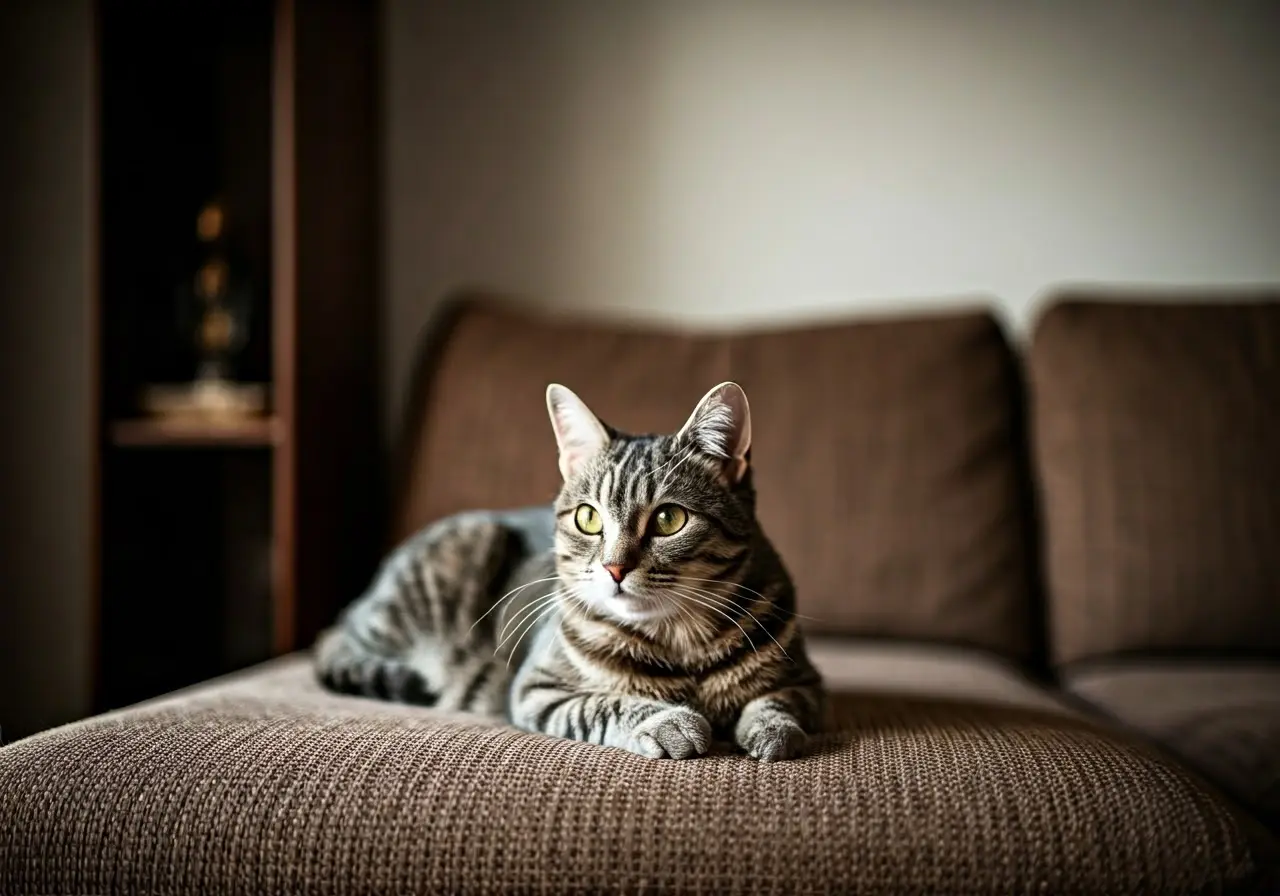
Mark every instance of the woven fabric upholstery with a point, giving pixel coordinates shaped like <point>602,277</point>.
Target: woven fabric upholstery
<point>1222,717</point>
<point>267,784</point>
<point>1157,442</point>
<point>887,468</point>
<point>933,671</point>
<point>886,452</point>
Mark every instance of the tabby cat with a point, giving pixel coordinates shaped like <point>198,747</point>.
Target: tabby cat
<point>644,610</point>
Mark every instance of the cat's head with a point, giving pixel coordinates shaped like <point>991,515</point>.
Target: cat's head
<point>647,524</point>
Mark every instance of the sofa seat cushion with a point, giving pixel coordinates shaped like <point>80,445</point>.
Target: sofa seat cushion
<point>931,671</point>
<point>1222,717</point>
<point>264,782</point>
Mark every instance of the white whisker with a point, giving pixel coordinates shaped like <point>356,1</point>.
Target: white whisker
<point>694,622</point>
<point>520,615</point>
<point>715,609</point>
<point>684,612</point>
<point>728,584</point>
<point>542,614</point>
<point>509,595</point>
<point>687,456</point>
<point>672,460</point>
<point>730,602</point>
<point>534,606</point>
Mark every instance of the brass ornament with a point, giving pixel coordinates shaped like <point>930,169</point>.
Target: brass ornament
<point>211,280</point>
<point>209,223</point>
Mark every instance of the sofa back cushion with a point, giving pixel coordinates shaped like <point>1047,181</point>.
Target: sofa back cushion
<point>885,453</point>
<point>1156,430</point>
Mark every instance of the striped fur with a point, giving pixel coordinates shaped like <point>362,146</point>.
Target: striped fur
<point>692,637</point>
<point>422,632</point>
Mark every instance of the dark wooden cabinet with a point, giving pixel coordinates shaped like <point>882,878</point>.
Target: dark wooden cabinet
<point>222,545</point>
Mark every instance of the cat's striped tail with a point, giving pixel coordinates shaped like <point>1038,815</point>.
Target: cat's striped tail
<point>430,675</point>
<point>423,632</point>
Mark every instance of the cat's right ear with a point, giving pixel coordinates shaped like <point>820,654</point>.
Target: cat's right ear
<point>579,433</point>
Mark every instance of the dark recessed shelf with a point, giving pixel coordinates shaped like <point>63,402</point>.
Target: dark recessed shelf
<point>271,522</point>
<point>147,432</point>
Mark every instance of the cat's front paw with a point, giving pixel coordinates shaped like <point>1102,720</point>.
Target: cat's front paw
<point>676,733</point>
<point>771,737</point>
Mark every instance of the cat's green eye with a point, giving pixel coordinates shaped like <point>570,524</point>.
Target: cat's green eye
<point>588,520</point>
<point>669,519</point>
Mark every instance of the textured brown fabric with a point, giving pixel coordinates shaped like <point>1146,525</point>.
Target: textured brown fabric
<point>885,452</point>
<point>932,671</point>
<point>888,479</point>
<point>485,439</point>
<point>1222,717</point>
<point>267,784</point>
<point>1157,441</point>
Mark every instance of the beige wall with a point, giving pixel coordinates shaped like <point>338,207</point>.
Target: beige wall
<point>724,161</point>
<point>45,90</point>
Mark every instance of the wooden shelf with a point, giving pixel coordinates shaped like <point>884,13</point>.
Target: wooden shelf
<point>146,432</point>
<point>271,524</point>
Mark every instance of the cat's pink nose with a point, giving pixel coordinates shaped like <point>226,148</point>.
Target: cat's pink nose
<point>618,570</point>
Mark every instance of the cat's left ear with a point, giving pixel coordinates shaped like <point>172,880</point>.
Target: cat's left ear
<point>721,426</point>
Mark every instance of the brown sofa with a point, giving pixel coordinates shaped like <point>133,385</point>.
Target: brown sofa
<point>1046,596</point>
